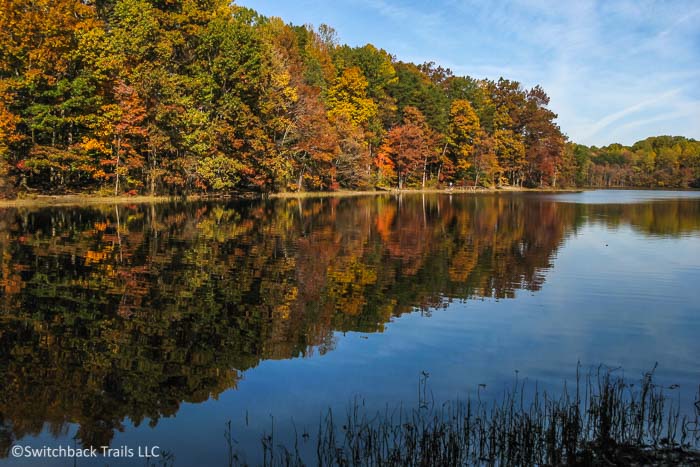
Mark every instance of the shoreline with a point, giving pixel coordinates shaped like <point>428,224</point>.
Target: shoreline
<point>42,201</point>
<point>82,200</point>
<point>396,191</point>
<point>85,199</point>
<point>96,200</point>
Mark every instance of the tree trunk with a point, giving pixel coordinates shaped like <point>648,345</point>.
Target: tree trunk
<point>301,178</point>
<point>154,155</point>
<point>116,168</point>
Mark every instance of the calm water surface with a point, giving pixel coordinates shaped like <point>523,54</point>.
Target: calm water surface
<point>155,325</point>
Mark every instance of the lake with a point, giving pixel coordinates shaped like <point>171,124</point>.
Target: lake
<point>155,325</point>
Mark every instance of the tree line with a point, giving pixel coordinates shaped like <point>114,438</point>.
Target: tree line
<point>201,96</point>
<point>662,161</point>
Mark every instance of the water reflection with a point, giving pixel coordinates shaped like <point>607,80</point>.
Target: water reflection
<point>115,313</point>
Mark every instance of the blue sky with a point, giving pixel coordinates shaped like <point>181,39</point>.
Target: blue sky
<point>616,70</point>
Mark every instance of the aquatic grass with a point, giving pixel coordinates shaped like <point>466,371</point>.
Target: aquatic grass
<point>604,420</point>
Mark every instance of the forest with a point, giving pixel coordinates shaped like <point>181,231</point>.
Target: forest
<point>203,96</point>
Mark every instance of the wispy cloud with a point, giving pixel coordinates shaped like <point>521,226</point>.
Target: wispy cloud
<point>691,110</point>
<point>608,120</point>
<point>679,22</point>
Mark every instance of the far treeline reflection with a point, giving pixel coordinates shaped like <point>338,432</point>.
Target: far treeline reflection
<point>115,312</point>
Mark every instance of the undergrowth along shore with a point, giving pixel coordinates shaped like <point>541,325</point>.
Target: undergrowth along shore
<point>604,419</point>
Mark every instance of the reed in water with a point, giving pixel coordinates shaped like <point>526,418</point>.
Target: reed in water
<point>603,420</point>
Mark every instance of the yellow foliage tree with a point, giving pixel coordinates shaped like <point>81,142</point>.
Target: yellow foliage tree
<point>347,98</point>
<point>463,134</point>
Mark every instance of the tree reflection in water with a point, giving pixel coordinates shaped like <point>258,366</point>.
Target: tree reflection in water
<point>109,313</point>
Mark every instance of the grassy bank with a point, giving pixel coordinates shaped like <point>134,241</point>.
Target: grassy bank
<point>602,419</point>
<point>81,200</point>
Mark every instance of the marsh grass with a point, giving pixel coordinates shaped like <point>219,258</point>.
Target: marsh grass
<point>602,420</point>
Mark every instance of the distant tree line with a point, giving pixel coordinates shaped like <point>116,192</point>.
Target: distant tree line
<point>185,96</point>
<point>662,161</point>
